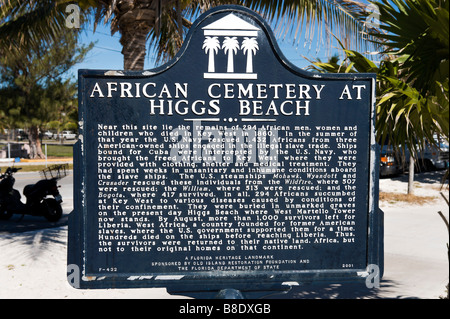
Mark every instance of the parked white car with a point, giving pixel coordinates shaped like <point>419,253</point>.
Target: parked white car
<point>48,134</point>
<point>65,135</point>
<point>432,157</point>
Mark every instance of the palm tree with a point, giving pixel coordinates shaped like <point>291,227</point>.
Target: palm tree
<point>249,46</point>
<point>211,46</point>
<point>26,22</point>
<point>413,77</point>
<point>33,89</point>
<point>231,45</point>
<point>418,31</point>
<point>417,35</point>
<point>135,19</point>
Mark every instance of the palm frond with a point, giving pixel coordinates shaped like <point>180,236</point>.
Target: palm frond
<point>25,23</point>
<point>316,19</point>
<point>301,20</point>
<point>419,31</point>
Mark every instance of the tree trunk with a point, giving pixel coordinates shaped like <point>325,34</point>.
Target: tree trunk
<point>35,143</point>
<point>411,175</point>
<point>134,51</point>
<point>134,26</point>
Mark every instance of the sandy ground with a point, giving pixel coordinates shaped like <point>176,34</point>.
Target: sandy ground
<point>33,263</point>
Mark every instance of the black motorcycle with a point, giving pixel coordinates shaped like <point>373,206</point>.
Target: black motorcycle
<point>37,202</point>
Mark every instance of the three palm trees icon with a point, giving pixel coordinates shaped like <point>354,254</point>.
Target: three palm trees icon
<point>230,45</point>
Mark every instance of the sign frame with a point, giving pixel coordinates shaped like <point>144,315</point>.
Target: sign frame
<point>216,281</point>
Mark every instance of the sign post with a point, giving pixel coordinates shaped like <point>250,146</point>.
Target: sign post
<point>227,168</point>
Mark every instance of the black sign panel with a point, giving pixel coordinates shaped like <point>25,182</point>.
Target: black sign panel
<point>226,168</point>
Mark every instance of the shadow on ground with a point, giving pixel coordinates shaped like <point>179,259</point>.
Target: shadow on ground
<point>32,245</point>
<point>19,224</point>
<point>338,291</point>
<point>426,177</point>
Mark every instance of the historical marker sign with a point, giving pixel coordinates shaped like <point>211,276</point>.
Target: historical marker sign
<point>226,168</point>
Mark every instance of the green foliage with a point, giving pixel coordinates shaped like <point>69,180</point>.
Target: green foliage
<point>53,125</point>
<point>417,32</point>
<point>59,150</point>
<point>404,116</point>
<point>412,80</point>
<point>416,35</point>
<point>33,89</point>
<point>27,24</point>
<point>71,126</point>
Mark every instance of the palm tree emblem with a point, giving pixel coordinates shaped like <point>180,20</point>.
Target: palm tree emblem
<point>211,46</point>
<point>249,46</point>
<point>231,45</point>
